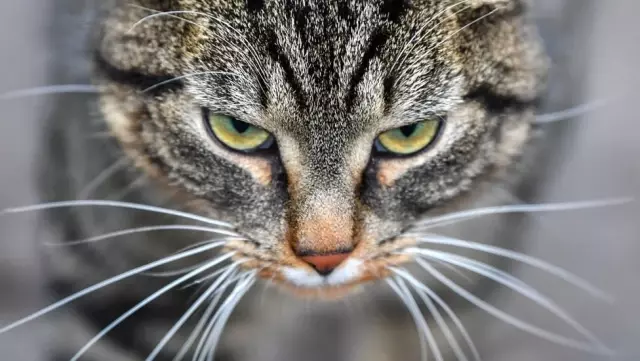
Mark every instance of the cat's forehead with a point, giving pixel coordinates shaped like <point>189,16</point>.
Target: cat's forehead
<point>332,61</point>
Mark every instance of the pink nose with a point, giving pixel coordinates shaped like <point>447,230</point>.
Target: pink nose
<point>326,263</point>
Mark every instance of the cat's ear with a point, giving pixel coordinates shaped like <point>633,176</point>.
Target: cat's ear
<point>143,38</point>
<point>502,47</point>
<point>497,4</point>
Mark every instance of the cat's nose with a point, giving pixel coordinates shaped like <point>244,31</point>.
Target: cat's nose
<point>325,263</point>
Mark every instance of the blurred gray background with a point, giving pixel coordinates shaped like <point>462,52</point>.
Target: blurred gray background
<point>601,158</point>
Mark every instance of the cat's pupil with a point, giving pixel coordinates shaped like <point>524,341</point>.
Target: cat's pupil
<point>408,130</point>
<point>240,126</point>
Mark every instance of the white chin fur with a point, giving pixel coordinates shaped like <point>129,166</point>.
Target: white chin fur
<point>345,273</point>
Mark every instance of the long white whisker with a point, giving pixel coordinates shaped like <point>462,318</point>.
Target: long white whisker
<point>50,89</point>
<point>205,317</point>
<point>454,34</point>
<point>421,324</point>
<point>570,113</point>
<point>200,353</point>
<point>518,286</point>
<point>519,208</point>
<point>108,282</point>
<point>146,301</point>
<point>430,339</point>
<point>190,311</point>
<point>171,14</point>
<point>433,310</point>
<point>130,231</point>
<point>187,269</point>
<point>226,311</point>
<point>412,42</point>
<point>173,273</point>
<point>521,257</point>
<point>450,268</point>
<point>208,277</point>
<point>254,56</point>
<point>550,336</point>
<point>452,315</point>
<point>103,203</point>
<point>440,256</point>
<point>157,85</point>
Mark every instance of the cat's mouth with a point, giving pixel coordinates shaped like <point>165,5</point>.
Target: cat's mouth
<point>298,277</point>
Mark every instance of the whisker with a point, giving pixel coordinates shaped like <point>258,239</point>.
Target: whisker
<point>225,312</point>
<point>447,38</point>
<point>50,89</point>
<point>171,14</point>
<point>206,316</point>
<point>210,291</point>
<point>521,257</point>
<point>519,208</point>
<point>574,112</point>
<point>411,42</point>
<point>117,204</point>
<point>130,231</point>
<point>550,336</point>
<point>145,302</point>
<point>451,268</point>
<point>433,310</point>
<point>191,246</point>
<point>257,66</point>
<point>102,177</point>
<point>174,273</point>
<point>208,277</point>
<point>518,286</point>
<point>432,342</point>
<point>421,324</point>
<point>155,86</point>
<point>452,315</point>
<point>108,282</point>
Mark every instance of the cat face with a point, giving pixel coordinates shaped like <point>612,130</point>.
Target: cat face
<point>322,130</point>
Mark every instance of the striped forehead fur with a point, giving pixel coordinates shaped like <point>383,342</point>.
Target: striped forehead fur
<point>325,78</point>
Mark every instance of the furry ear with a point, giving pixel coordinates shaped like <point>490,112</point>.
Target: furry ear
<point>495,3</point>
<point>512,7</point>
<point>502,48</point>
<point>136,37</point>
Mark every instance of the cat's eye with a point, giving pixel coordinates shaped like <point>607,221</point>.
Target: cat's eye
<point>238,135</point>
<point>409,139</point>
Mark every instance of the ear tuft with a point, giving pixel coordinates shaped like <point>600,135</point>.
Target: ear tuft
<point>508,6</point>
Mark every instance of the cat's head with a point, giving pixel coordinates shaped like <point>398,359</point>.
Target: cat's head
<point>321,129</point>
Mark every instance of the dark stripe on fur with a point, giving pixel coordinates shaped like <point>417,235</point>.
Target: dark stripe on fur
<point>498,103</point>
<point>395,9</point>
<point>277,55</point>
<point>255,5</point>
<point>514,9</point>
<point>136,79</point>
<point>378,39</point>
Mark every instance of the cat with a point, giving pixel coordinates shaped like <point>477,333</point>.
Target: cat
<point>318,139</point>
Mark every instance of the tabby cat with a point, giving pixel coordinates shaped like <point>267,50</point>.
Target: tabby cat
<point>316,144</point>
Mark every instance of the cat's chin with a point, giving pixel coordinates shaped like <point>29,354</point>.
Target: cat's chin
<point>323,293</point>
<point>346,280</point>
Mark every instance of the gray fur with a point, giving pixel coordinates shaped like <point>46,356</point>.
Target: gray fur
<point>325,127</point>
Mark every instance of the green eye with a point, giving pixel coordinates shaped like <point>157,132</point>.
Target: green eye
<point>408,139</point>
<point>237,134</point>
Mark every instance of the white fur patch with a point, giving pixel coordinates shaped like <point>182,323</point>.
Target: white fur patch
<point>302,277</point>
<point>347,272</point>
